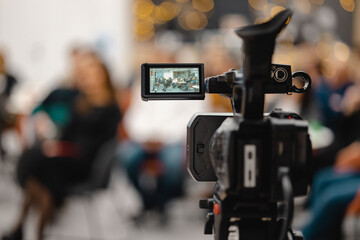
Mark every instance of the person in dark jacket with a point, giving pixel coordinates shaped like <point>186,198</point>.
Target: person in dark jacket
<point>86,117</point>
<point>335,190</point>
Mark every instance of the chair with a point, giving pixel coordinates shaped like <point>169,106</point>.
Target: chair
<point>98,179</point>
<point>100,172</point>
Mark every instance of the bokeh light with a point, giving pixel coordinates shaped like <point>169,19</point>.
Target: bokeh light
<point>172,8</point>
<point>348,5</point>
<point>143,8</point>
<point>194,14</point>
<point>258,4</point>
<point>203,5</point>
<point>328,68</point>
<point>341,51</point>
<point>144,30</point>
<point>276,9</point>
<point>303,6</point>
<point>326,18</point>
<point>193,20</point>
<point>165,12</point>
<point>323,50</point>
<point>182,21</point>
<point>286,40</point>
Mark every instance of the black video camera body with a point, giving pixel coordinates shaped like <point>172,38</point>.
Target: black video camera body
<point>244,156</point>
<point>257,160</point>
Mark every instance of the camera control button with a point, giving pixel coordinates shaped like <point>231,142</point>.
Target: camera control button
<point>206,203</point>
<point>200,148</point>
<point>280,74</point>
<point>217,209</point>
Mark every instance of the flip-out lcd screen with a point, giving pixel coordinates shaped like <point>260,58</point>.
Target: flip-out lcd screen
<point>172,81</point>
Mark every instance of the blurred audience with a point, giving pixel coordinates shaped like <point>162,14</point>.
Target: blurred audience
<point>329,94</point>
<point>335,190</point>
<point>71,125</point>
<point>73,122</point>
<point>333,104</point>
<point>153,155</point>
<point>329,126</point>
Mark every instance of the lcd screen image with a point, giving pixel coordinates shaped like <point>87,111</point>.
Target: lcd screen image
<point>174,80</point>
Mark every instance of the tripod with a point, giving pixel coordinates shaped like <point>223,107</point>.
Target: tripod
<point>233,219</point>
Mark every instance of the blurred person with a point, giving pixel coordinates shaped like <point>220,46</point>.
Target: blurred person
<point>335,191</point>
<point>154,164</point>
<point>333,188</point>
<point>156,170</point>
<point>86,116</point>
<point>329,94</point>
<point>332,192</point>
<point>7,83</point>
<point>153,154</point>
<point>351,105</point>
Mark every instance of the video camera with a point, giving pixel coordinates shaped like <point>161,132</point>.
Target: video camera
<point>258,161</point>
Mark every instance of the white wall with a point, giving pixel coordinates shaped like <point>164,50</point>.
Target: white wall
<point>38,33</point>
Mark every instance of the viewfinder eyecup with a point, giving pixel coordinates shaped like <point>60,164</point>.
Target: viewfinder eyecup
<point>259,44</point>
<point>262,36</point>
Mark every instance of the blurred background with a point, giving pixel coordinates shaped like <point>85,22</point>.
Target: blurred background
<point>48,47</point>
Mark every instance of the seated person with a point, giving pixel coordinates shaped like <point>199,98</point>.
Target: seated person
<point>335,188</point>
<point>87,116</point>
<point>156,172</point>
<point>153,154</point>
<point>332,191</point>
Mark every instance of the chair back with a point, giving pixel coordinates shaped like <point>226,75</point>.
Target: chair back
<point>100,171</point>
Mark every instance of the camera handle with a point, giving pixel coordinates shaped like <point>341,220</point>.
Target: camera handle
<point>231,84</point>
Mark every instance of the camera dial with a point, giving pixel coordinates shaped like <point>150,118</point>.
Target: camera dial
<point>280,74</point>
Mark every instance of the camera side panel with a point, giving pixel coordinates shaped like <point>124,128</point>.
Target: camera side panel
<point>200,130</point>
